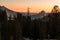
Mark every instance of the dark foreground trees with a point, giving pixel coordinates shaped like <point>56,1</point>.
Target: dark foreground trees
<point>54,25</point>
<point>10,29</point>
<point>3,21</point>
<point>22,26</point>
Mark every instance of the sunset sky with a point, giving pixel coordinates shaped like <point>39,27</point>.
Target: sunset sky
<point>34,5</point>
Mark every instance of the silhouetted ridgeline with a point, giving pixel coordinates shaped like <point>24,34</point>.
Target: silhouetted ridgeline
<point>39,26</point>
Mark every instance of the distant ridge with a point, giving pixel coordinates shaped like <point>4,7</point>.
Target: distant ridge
<point>14,13</point>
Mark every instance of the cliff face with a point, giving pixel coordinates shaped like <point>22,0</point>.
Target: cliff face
<point>9,12</point>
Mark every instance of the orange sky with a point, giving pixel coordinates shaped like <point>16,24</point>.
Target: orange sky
<point>34,5</point>
<point>34,8</point>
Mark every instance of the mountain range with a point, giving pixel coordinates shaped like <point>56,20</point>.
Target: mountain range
<point>33,15</point>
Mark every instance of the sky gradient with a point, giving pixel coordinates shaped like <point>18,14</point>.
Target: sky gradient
<point>34,5</point>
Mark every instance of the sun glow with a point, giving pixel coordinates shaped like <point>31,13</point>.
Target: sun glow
<point>34,5</point>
